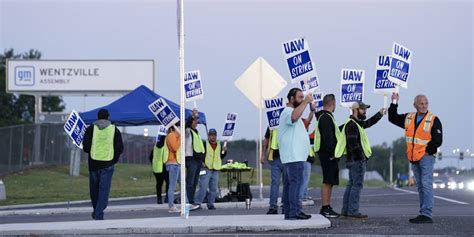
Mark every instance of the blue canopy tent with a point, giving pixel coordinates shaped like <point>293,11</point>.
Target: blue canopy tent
<point>132,109</point>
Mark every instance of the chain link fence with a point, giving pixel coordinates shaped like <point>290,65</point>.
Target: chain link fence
<point>17,147</point>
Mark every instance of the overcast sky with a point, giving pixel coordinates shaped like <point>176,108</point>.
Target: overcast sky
<point>224,37</point>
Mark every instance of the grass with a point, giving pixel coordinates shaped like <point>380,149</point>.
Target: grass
<point>53,184</point>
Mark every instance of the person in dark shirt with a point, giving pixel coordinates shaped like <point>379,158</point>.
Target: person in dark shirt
<point>424,134</point>
<point>103,142</point>
<point>160,173</point>
<point>271,153</point>
<point>355,142</point>
<point>327,133</point>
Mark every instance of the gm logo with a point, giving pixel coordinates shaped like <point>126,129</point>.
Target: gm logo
<point>24,75</point>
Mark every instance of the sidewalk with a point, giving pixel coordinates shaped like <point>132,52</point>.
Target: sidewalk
<point>50,209</point>
<point>168,225</point>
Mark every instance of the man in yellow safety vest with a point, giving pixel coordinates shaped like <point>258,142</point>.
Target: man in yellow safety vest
<point>103,142</point>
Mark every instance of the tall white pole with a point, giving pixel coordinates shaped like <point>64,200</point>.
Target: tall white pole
<point>181,106</point>
<point>260,166</point>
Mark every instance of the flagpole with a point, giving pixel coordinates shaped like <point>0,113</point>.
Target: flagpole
<point>181,106</point>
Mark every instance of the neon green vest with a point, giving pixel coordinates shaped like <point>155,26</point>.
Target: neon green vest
<point>103,143</point>
<point>273,143</point>
<point>311,153</point>
<point>157,162</point>
<point>198,145</point>
<point>166,153</point>
<point>341,143</point>
<point>213,157</point>
<point>317,134</point>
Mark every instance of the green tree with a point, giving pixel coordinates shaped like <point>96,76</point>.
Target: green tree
<point>380,159</point>
<point>20,109</point>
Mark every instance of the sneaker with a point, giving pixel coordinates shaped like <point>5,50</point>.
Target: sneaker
<point>159,201</point>
<point>93,215</point>
<point>304,214</point>
<point>272,211</point>
<point>174,210</point>
<point>421,219</point>
<point>344,214</point>
<point>195,207</point>
<point>358,216</point>
<point>329,213</point>
<point>211,207</point>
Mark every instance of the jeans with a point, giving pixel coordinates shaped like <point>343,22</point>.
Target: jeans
<point>193,167</point>
<point>209,180</point>
<point>350,202</point>
<point>174,171</point>
<point>292,182</point>
<point>423,172</point>
<point>277,174</point>
<point>99,188</point>
<point>304,185</point>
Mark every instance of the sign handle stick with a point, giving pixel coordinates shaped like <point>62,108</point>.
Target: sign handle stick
<point>385,101</point>
<point>195,104</point>
<point>225,145</point>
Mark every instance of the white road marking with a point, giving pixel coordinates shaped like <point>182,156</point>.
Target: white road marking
<point>438,197</point>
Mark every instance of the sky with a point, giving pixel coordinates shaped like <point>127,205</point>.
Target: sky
<point>223,38</point>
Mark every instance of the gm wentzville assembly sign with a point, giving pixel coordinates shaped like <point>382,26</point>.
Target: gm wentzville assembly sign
<point>101,76</point>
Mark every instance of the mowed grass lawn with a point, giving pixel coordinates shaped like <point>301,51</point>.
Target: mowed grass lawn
<point>53,184</point>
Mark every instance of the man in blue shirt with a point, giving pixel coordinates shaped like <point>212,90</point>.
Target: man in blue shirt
<point>294,150</point>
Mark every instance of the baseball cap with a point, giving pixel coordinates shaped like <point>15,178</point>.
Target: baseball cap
<point>212,131</point>
<point>360,105</point>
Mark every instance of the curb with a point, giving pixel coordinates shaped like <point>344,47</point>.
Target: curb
<point>170,225</point>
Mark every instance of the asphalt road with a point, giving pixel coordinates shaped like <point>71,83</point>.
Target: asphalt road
<point>388,210</point>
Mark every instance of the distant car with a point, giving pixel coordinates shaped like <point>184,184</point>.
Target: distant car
<point>438,183</point>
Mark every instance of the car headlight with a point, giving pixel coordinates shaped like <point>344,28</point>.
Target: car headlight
<point>452,185</point>
<point>442,185</point>
<point>470,186</point>
<point>461,185</point>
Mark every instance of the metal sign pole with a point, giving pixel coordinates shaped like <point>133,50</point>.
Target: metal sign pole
<point>181,104</point>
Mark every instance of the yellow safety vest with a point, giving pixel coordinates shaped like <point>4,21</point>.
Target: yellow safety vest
<point>342,142</point>
<point>103,143</point>
<point>198,145</point>
<point>317,134</point>
<point>157,162</point>
<point>273,143</point>
<point>213,157</point>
